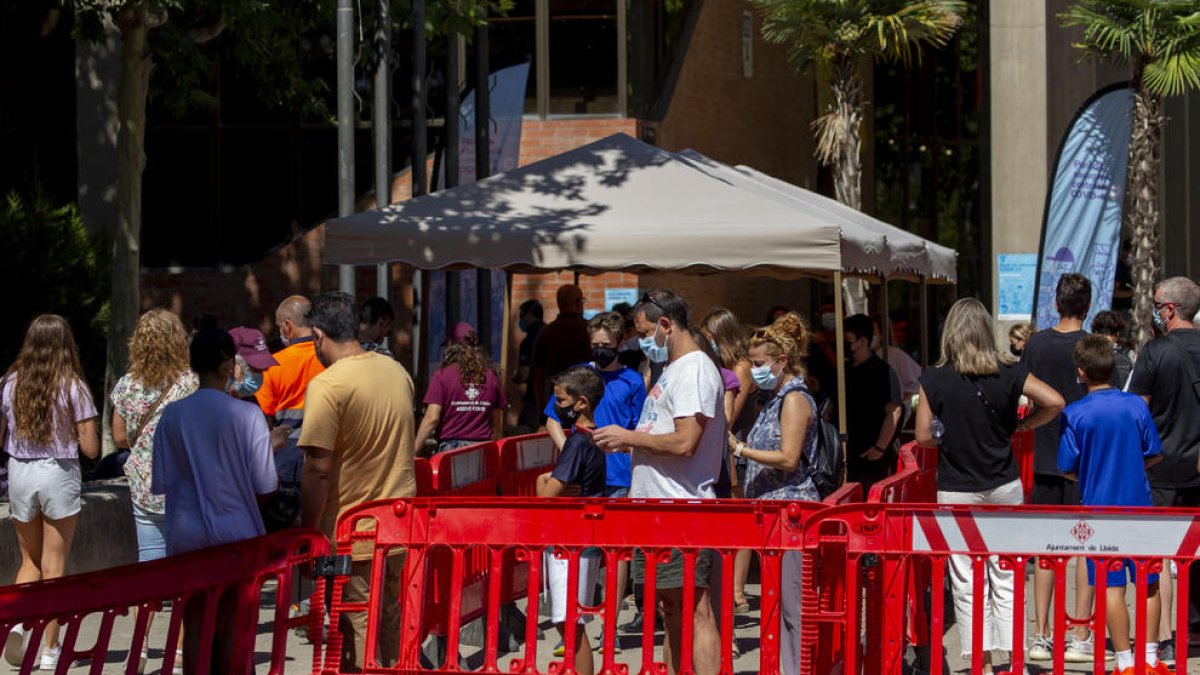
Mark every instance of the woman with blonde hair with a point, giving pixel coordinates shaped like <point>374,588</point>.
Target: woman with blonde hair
<point>49,418</point>
<point>968,408</point>
<point>1017,336</point>
<point>158,375</point>
<point>780,448</point>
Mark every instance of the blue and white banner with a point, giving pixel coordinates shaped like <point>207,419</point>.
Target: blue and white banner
<point>1082,227</point>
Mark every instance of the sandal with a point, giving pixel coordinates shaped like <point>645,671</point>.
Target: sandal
<point>742,607</point>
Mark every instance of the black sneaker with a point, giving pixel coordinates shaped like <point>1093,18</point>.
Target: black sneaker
<point>1166,651</point>
<point>634,625</point>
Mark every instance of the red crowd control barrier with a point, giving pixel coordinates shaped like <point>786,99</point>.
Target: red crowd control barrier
<point>526,530</point>
<point>992,545</point>
<point>522,460</point>
<point>220,590</point>
<point>471,471</point>
<point>424,475</point>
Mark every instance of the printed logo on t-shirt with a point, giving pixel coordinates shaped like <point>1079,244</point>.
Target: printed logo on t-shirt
<point>472,392</point>
<point>650,408</point>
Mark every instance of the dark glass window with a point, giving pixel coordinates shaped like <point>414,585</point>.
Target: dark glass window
<point>583,57</point>
<point>512,39</point>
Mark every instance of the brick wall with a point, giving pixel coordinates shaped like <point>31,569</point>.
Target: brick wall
<point>763,121</point>
<point>248,295</point>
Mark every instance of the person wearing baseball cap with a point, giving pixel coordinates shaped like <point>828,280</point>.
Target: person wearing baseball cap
<point>251,360</point>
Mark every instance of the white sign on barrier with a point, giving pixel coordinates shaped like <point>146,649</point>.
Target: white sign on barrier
<point>466,468</point>
<point>1036,533</point>
<point>535,452</point>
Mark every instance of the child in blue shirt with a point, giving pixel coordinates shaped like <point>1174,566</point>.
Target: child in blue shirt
<point>1108,439</point>
<point>580,471</point>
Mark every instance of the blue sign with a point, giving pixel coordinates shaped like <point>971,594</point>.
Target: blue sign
<point>1082,228</point>
<point>1016,275</point>
<point>615,296</point>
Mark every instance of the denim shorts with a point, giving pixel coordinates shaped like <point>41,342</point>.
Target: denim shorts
<point>151,529</point>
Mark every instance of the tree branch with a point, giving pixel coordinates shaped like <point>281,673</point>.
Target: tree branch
<point>207,33</point>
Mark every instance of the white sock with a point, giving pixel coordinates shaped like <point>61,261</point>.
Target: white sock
<point>1151,654</point>
<point>1125,659</point>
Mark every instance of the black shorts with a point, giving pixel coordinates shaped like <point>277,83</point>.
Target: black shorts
<point>1054,490</point>
<point>1175,496</point>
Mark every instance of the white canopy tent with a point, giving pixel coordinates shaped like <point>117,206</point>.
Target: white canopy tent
<point>621,205</point>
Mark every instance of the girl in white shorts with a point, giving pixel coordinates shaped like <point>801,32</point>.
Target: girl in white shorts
<point>48,419</point>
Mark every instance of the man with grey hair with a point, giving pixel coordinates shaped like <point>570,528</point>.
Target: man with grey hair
<point>1161,378</point>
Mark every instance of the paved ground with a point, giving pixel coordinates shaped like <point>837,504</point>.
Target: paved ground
<point>299,654</point>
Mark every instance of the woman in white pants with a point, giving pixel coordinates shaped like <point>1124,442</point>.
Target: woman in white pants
<point>48,419</point>
<point>968,407</point>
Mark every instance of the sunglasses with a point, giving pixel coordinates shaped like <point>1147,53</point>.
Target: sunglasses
<point>647,299</point>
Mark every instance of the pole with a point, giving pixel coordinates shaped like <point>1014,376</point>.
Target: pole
<point>483,167</point>
<point>419,127</point>
<point>345,125</point>
<point>840,344</point>
<point>885,322</point>
<point>453,44</point>
<point>382,126</point>
<point>924,322</point>
<point>506,336</point>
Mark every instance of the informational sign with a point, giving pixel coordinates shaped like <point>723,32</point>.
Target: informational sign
<point>1083,210</point>
<point>1016,276</point>
<point>615,296</point>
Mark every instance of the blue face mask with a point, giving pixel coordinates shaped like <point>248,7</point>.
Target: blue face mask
<point>523,325</point>
<point>249,384</point>
<point>655,352</point>
<point>1158,322</point>
<point>763,377</point>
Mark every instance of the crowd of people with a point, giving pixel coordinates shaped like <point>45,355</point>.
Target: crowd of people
<point>642,402</point>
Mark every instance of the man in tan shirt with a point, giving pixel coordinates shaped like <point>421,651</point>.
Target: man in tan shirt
<point>358,443</point>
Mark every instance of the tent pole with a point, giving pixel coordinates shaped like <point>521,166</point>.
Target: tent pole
<point>885,321</point>
<point>506,338</point>
<point>381,121</point>
<point>840,335</point>
<point>924,322</point>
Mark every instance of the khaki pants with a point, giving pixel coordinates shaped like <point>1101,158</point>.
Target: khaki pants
<point>353,625</point>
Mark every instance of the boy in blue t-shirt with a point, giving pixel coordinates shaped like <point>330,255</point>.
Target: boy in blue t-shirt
<point>1108,439</point>
<point>580,472</point>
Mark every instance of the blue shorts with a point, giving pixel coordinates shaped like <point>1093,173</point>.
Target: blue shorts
<point>1117,578</point>
<point>616,491</point>
<point>151,529</point>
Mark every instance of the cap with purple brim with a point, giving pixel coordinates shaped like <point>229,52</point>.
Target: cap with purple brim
<point>463,333</point>
<point>252,347</point>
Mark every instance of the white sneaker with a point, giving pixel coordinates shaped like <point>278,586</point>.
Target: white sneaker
<point>1041,649</point>
<point>50,658</point>
<point>14,646</point>
<point>1083,651</point>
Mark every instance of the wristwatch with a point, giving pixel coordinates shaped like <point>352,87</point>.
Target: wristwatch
<point>737,449</point>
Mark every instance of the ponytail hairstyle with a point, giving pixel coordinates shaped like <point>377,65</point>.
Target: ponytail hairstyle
<point>47,368</point>
<point>788,336</point>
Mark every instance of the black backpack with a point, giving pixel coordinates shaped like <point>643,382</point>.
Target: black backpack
<point>828,463</point>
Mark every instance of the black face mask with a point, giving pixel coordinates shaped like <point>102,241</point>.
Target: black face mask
<point>1016,351</point>
<point>565,414</point>
<point>604,356</point>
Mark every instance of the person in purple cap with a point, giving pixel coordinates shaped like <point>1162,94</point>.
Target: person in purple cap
<point>251,360</point>
<point>465,402</point>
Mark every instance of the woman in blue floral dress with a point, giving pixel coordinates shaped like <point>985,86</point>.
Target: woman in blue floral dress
<point>780,448</point>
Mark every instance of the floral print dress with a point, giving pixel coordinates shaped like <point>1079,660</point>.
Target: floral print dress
<point>132,401</point>
<point>765,482</point>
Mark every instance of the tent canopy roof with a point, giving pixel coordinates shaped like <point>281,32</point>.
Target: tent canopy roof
<point>619,204</point>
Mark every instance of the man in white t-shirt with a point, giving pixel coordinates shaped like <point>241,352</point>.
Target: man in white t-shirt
<point>677,449</point>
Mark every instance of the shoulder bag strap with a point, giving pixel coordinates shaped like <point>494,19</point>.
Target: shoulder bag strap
<point>1189,368</point>
<point>133,438</point>
<point>984,400</point>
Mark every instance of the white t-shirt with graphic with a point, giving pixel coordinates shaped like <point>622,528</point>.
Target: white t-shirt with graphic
<point>689,386</point>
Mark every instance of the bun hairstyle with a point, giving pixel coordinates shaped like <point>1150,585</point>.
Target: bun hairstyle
<point>788,336</point>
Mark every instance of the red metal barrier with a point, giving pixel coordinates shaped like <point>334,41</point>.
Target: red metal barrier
<point>205,580</point>
<point>424,475</point>
<point>996,540</point>
<point>526,528</point>
<point>522,460</point>
<point>472,471</point>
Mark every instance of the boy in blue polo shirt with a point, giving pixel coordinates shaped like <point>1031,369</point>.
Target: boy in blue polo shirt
<point>1108,439</point>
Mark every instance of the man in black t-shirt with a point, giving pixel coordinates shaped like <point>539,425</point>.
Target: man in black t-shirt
<point>1160,377</point>
<point>872,407</point>
<point>531,324</point>
<point>1048,357</point>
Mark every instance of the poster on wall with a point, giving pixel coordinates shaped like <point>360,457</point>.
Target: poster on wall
<point>1016,276</point>
<point>615,296</point>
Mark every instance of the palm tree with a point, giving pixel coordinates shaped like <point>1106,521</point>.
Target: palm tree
<point>1160,40</point>
<point>837,36</point>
